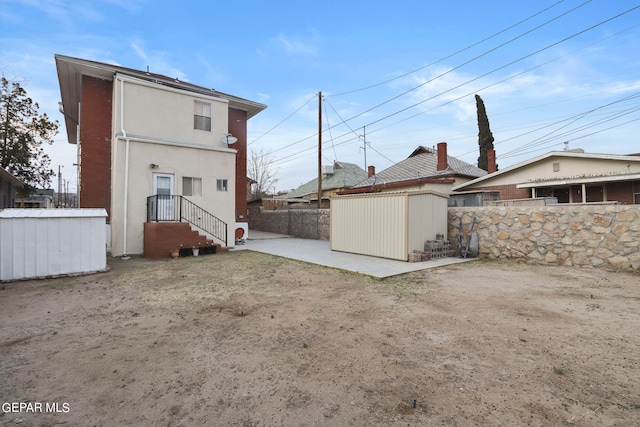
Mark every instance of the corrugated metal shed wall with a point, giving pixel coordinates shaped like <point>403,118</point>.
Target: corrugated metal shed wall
<point>356,224</point>
<point>51,242</point>
<point>387,225</point>
<point>427,218</point>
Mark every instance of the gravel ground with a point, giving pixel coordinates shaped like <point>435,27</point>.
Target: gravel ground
<point>249,339</point>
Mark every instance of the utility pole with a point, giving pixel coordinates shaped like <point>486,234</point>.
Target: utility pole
<point>364,139</point>
<point>319,150</point>
<point>59,185</point>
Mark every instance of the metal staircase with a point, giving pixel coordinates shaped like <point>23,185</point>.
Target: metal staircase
<point>162,207</point>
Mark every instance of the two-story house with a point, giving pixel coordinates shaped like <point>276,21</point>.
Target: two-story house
<point>152,148</point>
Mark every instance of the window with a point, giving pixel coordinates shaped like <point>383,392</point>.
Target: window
<point>636,192</point>
<point>595,194</point>
<point>191,186</point>
<point>202,116</point>
<point>556,167</point>
<point>223,185</point>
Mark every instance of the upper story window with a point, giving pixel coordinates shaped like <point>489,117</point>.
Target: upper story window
<point>202,116</point>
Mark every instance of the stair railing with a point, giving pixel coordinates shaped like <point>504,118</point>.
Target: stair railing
<point>165,207</point>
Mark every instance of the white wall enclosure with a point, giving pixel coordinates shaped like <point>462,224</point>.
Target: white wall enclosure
<point>387,225</point>
<point>40,243</point>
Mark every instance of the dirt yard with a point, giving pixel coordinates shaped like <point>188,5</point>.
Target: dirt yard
<point>248,339</point>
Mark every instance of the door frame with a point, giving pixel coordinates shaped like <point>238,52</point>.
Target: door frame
<point>164,208</point>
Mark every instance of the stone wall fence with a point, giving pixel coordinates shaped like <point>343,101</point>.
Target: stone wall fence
<point>307,223</point>
<point>599,235</point>
<point>594,235</point>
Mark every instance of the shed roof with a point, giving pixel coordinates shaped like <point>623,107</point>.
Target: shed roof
<point>54,213</point>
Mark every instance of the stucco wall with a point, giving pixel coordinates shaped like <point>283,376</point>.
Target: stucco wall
<point>206,164</point>
<point>573,235</point>
<point>305,223</point>
<point>158,123</point>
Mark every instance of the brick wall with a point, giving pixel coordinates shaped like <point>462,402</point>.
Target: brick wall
<point>238,128</point>
<point>304,223</point>
<point>95,141</point>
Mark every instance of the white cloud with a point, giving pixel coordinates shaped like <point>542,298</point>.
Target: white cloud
<point>156,61</point>
<point>296,45</point>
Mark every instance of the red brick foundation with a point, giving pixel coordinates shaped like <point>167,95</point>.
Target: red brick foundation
<point>161,237</point>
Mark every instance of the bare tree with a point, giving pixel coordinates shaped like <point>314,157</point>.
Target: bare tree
<point>261,170</point>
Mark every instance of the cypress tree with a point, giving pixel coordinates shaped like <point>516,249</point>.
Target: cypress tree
<point>485,137</point>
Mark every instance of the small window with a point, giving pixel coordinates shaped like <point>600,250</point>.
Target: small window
<point>191,186</point>
<point>636,192</point>
<point>202,116</point>
<point>556,167</point>
<point>223,185</point>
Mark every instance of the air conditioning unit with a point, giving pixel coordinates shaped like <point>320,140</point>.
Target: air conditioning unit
<point>327,170</point>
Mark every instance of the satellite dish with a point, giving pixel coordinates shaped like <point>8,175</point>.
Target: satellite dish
<point>229,139</point>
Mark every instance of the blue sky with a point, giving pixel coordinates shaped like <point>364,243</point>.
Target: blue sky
<point>402,73</point>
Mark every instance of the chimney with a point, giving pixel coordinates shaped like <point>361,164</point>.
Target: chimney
<point>371,171</point>
<point>442,157</point>
<point>491,161</point>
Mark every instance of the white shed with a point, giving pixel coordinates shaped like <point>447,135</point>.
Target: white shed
<point>387,225</point>
<point>40,243</point>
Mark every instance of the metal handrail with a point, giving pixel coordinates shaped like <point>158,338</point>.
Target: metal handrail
<point>161,207</point>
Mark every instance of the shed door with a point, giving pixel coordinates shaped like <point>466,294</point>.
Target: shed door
<point>163,189</point>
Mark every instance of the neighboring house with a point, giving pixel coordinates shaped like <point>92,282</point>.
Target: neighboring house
<point>42,199</point>
<point>335,179</point>
<point>571,176</point>
<point>8,187</point>
<point>141,134</point>
<point>424,169</point>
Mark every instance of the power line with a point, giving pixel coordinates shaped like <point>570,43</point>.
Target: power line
<point>570,120</point>
<point>452,54</point>
<point>466,63</point>
<point>284,120</point>
<point>440,60</point>
<point>510,78</point>
<point>335,156</point>
<point>484,75</point>
<point>504,66</point>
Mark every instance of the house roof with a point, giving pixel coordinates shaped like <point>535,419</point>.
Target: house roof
<point>5,175</point>
<point>574,154</point>
<point>71,70</point>
<point>422,163</point>
<point>344,175</point>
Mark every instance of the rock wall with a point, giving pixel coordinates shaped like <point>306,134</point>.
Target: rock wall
<point>573,235</point>
<point>304,223</point>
